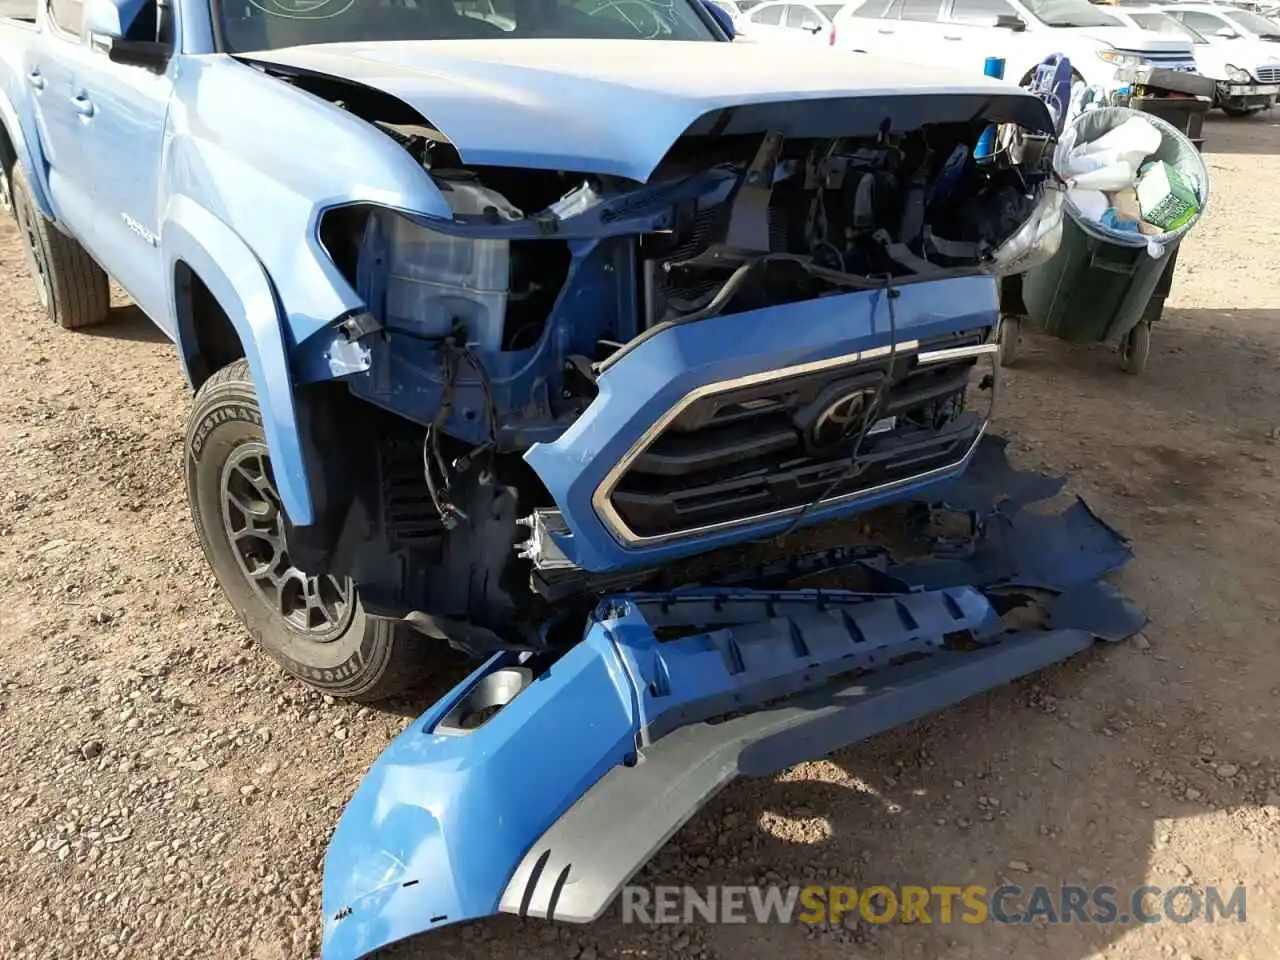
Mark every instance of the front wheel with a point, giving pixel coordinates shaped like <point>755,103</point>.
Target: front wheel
<point>313,626</point>
<point>1010,340</point>
<point>6,191</point>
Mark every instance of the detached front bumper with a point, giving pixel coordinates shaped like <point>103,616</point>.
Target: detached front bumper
<point>538,787</point>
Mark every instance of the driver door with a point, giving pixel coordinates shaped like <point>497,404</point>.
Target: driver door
<point>910,31</point>
<point>49,71</point>
<point>124,134</point>
<point>970,35</point>
<point>805,26</point>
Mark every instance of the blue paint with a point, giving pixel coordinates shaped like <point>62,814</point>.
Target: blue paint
<point>438,827</point>
<point>991,67</point>
<point>442,819</point>
<point>1052,83</point>
<point>436,811</point>
<point>172,173</point>
<point>645,383</point>
<point>722,18</point>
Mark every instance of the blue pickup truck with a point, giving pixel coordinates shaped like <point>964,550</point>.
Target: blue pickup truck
<point>507,323</point>
<point>489,307</point>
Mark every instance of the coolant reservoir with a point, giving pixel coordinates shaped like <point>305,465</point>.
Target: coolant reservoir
<point>431,282</point>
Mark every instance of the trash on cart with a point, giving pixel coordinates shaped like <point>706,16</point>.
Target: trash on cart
<point>1119,182</point>
<point>1136,185</point>
<point>1166,200</point>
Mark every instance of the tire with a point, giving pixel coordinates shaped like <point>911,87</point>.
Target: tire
<point>1010,340</point>
<point>73,289</point>
<point>6,191</point>
<point>1136,349</point>
<point>314,627</point>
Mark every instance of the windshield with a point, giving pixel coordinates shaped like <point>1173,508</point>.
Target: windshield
<point>1253,23</point>
<point>1070,13</point>
<point>247,25</point>
<point>1163,23</point>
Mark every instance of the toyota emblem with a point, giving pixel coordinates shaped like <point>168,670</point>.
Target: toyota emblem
<point>842,418</point>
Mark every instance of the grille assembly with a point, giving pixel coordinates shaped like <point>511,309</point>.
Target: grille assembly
<point>770,444</point>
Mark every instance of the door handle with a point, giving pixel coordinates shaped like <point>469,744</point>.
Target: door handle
<point>35,79</point>
<point>888,33</point>
<point>84,106</point>
<point>947,37</point>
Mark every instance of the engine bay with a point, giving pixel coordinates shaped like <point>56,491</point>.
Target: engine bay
<point>487,334</point>
<point>725,225</point>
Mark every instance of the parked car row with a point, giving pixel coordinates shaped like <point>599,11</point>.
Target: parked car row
<point>1107,46</point>
<point>1246,67</point>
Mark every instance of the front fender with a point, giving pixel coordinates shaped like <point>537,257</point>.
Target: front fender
<point>191,234</point>
<point>23,154</point>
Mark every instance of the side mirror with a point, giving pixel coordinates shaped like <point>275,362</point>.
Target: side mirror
<point>721,17</point>
<point>112,20</point>
<point>1226,33</point>
<point>1007,21</point>
<point>109,18</point>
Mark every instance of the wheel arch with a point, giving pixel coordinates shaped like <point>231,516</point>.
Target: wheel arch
<point>223,303</point>
<point>14,150</point>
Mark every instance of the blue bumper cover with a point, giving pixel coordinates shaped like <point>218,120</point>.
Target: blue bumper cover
<point>642,386</point>
<point>547,807</point>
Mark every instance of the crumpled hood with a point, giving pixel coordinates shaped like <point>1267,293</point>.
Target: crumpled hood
<point>616,106</point>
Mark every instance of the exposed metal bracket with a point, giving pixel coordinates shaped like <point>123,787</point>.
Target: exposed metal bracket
<point>749,216</point>
<point>541,547</point>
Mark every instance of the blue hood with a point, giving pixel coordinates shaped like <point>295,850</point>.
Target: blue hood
<point>615,107</point>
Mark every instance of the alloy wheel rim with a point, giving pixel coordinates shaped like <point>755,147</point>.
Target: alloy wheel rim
<point>318,608</point>
<point>35,261</point>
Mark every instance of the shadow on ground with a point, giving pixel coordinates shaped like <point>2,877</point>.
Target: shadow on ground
<point>1257,135</point>
<point>127,323</point>
<point>1186,345</point>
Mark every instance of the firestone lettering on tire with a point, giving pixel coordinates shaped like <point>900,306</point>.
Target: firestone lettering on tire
<point>224,414</point>
<point>343,671</point>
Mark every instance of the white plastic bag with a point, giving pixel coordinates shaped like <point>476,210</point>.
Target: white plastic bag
<point>1115,176</point>
<point>1091,203</point>
<point>1134,137</point>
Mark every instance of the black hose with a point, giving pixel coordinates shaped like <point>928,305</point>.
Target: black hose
<point>890,295</point>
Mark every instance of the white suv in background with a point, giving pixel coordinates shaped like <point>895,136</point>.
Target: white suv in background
<point>1247,72</point>
<point>962,33</point>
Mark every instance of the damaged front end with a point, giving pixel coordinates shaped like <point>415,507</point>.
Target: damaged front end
<point>790,321</point>
<point>582,386</point>
<point>543,782</point>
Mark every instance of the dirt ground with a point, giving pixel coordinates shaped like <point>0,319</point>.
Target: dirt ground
<point>165,791</point>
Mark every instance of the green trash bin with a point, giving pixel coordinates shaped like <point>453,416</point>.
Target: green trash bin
<point>1096,288</point>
